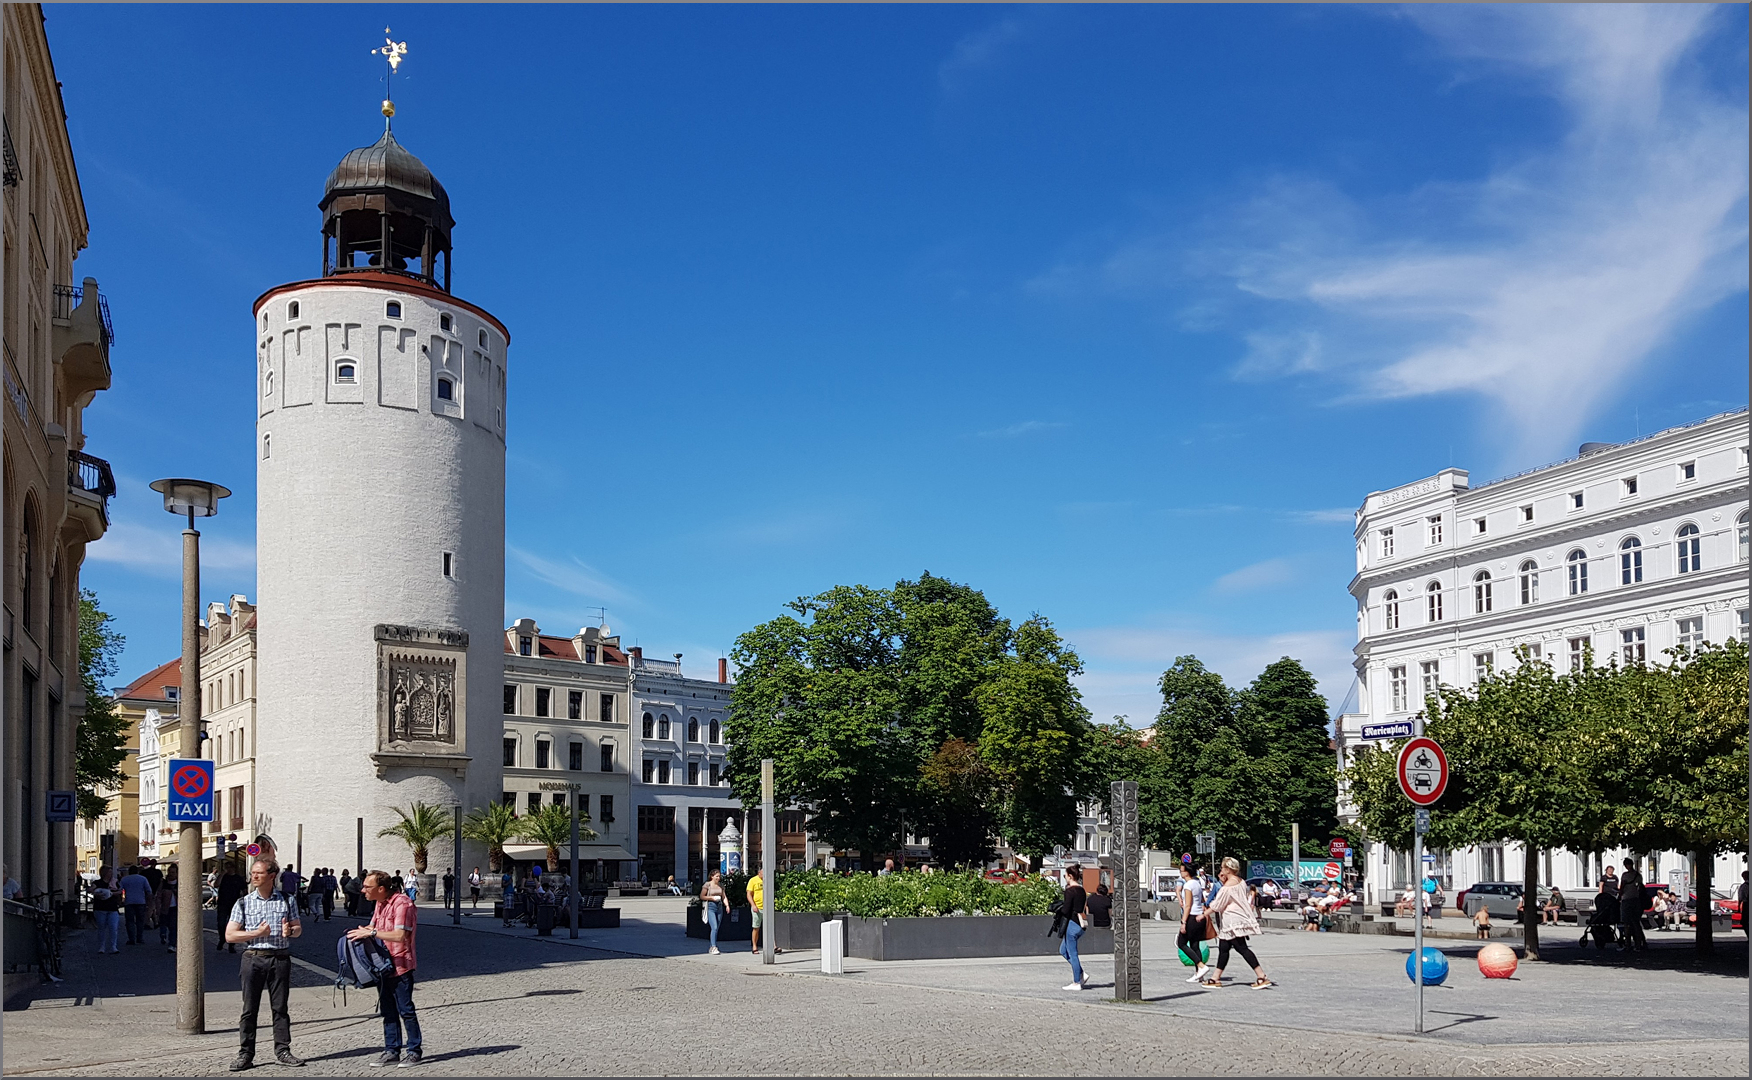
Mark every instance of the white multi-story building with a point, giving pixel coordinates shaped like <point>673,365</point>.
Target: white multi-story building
<point>1625,550</point>
<point>228,712</point>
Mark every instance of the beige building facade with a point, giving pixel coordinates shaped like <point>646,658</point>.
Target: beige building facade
<point>228,712</point>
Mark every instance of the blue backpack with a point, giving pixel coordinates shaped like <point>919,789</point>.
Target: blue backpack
<point>361,963</point>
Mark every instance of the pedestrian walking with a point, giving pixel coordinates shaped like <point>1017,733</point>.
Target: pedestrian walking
<point>1194,927</point>
<point>1741,896</point>
<point>231,886</point>
<point>1238,921</point>
<point>106,904</point>
<point>474,888</point>
<point>329,887</point>
<point>712,892</point>
<point>1630,908</point>
<point>757,904</point>
<point>264,921</point>
<point>394,922</point>
<point>1100,907</point>
<point>354,888</point>
<point>164,908</point>
<point>1073,908</point>
<point>1481,919</point>
<point>449,885</point>
<point>136,894</point>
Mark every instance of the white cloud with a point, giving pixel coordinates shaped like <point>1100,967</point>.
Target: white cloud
<point>158,551</point>
<point>1260,575</point>
<point>573,576</point>
<point>977,52</point>
<point>1026,427</point>
<point>1335,515</point>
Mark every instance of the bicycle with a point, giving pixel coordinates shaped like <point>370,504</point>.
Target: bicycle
<point>48,927</point>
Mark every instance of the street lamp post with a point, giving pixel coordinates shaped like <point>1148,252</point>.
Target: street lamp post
<point>191,499</point>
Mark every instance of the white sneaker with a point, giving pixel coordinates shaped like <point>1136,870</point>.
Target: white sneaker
<point>1073,986</point>
<point>1198,976</point>
<point>712,951</point>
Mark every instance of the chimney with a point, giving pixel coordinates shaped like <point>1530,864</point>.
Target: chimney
<point>638,655</point>
<point>723,670</point>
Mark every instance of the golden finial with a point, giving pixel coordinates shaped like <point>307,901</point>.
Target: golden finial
<point>392,53</point>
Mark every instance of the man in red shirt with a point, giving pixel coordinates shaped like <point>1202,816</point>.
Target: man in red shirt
<point>393,923</point>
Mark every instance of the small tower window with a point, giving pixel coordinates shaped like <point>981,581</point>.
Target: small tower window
<point>483,339</point>
<point>268,384</point>
<point>449,564</point>
<point>445,391</point>
<point>393,309</point>
<point>346,373</point>
<point>292,310</point>
<point>266,445</point>
<point>443,322</point>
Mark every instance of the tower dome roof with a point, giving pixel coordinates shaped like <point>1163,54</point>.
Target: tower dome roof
<point>386,165</point>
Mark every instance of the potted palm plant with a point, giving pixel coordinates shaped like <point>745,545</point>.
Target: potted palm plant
<point>419,825</point>
<point>552,826</point>
<point>492,825</point>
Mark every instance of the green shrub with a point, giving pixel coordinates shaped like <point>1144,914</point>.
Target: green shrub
<point>908,893</point>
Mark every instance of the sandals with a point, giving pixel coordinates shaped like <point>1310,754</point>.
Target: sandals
<point>1260,984</point>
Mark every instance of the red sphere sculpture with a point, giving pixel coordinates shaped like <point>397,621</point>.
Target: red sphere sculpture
<point>1496,961</point>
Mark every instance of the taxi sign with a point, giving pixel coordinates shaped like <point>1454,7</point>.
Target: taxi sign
<point>1423,771</point>
<point>191,790</point>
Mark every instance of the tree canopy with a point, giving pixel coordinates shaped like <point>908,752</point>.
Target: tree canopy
<point>101,739</point>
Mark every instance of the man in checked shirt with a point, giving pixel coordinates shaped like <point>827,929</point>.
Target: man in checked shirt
<point>264,922</point>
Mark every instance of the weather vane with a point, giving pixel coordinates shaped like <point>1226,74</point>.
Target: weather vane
<point>392,53</point>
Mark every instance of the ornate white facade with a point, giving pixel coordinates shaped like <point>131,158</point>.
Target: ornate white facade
<point>1625,550</point>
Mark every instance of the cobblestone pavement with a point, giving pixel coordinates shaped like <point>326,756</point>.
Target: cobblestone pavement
<point>503,1004</point>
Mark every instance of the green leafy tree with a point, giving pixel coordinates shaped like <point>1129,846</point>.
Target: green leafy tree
<point>101,739</point>
<point>417,826</point>
<point>552,825</point>
<point>1118,751</point>
<point>959,818</point>
<point>1287,717</point>
<point>494,825</point>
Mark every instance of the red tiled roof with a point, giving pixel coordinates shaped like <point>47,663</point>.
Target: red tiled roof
<point>559,648</point>
<point>152,684</point>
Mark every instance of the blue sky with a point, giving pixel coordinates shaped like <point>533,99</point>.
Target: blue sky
<point>1115,313</point>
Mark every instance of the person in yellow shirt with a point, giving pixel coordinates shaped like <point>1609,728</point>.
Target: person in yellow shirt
<point>756,901</point>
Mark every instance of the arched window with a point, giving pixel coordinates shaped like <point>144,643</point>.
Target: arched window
<point>1390,608</point>
<point>1433,595</point>
<point>393,309</point>
<point>1690,549</point>
<point>443,322</point>
<point>292,310</point>
<point>483,339</point>
<point>346,373</point>
<point>1578,572</point>
<point>1630,561</point>
<point>649,730</point>
<point>1744,537</point>
<point>268,384</point>
<point>712,731</point>
<point>1529,582</point>
<point>445,390</point>
<point>266,446</point>
<point>693,730</point>
<point>663,726</point>
<point>1481,598</point>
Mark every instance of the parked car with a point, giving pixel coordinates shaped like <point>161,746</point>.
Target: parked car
<point>1286,892</point>
<point>1499,897</point>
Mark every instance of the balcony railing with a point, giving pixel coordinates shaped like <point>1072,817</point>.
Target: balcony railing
<point>91,475</point>
<point>68,297</point>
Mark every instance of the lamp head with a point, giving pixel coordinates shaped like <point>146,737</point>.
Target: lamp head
<point>193,498</point>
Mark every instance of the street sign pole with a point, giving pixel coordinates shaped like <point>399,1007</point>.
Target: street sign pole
<point>573,891</point>
<point>1423,776</point>
<point>1417,912</point>
<point>769,859</point>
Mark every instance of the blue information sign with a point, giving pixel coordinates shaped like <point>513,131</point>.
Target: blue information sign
<point>191,790</point>
<point>58,805</point>
<point>1399,729</point>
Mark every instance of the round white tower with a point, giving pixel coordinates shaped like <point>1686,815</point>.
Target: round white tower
<point>380,447</point>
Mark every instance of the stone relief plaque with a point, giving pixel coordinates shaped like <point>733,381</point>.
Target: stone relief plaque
<point>422,693</point>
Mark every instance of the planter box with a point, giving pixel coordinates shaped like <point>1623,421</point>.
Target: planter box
<point>953,937</point>
<point>802,929</point>
<point>737,924</point>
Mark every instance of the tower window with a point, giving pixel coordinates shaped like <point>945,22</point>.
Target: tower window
<point>268,384</point>
<point>346,373</point>
<point>266,446</point>
<point>483,339</point>
<point>393,309</point>
<point>292,310</point>
<point>449,561</point>
<point>443,322</point>
<point>445,392</point>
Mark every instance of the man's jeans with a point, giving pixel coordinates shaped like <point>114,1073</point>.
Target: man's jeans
<point>395,1001</point>
<point>136,922</point>
<point>273,971</point>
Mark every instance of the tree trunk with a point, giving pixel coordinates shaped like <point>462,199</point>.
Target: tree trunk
<point>495,859</point>
<point>1530,900</point>
<point>419,860</point>
<point>553,854</point>
<point>1706,902</point>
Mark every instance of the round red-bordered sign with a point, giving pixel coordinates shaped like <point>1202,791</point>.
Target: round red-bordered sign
<point>190,782</point>
<point>1423,771</point>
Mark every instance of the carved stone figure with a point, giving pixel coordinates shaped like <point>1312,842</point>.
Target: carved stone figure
<point>421,698</point>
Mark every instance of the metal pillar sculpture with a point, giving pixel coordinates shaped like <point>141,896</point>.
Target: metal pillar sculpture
<point>1128,965</point>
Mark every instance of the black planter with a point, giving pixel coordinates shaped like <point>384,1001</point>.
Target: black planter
<point>736,925</point>
<point>802,929</point>
<point>953,937</point>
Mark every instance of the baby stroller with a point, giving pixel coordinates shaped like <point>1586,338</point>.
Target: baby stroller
<point>1600,927</point>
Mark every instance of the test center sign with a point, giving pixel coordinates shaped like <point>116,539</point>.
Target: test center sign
<point>1423,771</point>
<point>191,790</point>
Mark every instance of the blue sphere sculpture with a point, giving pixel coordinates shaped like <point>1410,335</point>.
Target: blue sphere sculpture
<point>1435,967</point>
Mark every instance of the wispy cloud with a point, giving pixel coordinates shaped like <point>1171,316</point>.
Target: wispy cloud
<point>1026,427</point>
<point>572,575</point>
<point>1260,575</point>
<point>1540,287</point>
<point>1336,515</point>
<point>977,52</point>
<point>158,551</point>
<point>784,528</point>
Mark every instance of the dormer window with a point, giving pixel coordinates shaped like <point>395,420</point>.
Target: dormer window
<point>525,647</point>
<point>393,309</point>
<point>444,322</point>
<point>590,654</point>
<point>446,391</point>
<point>346,373</point>
<point>292,310</point>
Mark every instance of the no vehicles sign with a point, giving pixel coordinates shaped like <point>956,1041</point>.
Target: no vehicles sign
<point>1423,771</point>
<point>191,790</point>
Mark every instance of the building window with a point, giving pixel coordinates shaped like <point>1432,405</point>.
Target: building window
<point>663,771</point>
<point>510,751</point>
<point>1578,653</point>
<point>1745,630</point>
<point>1529,582</point>
<point>1396,689</point>
<point>607,757</point>
<point>1431,671</point>
<point>542,748</point>
<point>510,699</point>
<point>575,756</point>
<point>267,447</point>
<point>1386,543</point>
<point>292,310</point>
<point>1630,561</point>
<point>1433,595</point>
<point>1687,471</point>
<point>1691,634</point>
<point>649,728</point>
<point>605,709</point>
<point>483,339</point>
<point>1482,664</point>
<point>649,771</point>
<point>1690,549</point>
<point>1577,500</point>
<point>268,384</point>
<point>693,774</point>
<point>717,774</point>
<point>559,799</point>
<point>1478,526</point>
<point>663,726</point>
<point>590,654</point>
<point>1481,598</point>
<point>393,309</point>
<point>574,704</point>
<point>449,564</point>
<point>509,798</point>
<point>1634,645</point>
<point>346,373</point>
<point>1745,536</point>
<point>1527,514</point>
<point>712,731</point>
<point>1533,653</point>
<point>606,812</point>
<point>542,696</point>
<point>1435,524</point>
<point>445,390</point>
<point>1390,609</point>
<point>1578,572</point>
<point>525,647</point>
<point>1629,486</point>
<point>444,322</point>
<point>534,802</point>
<point>693,729</point>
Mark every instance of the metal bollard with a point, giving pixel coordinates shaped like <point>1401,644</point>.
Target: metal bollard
<point>833,948</point>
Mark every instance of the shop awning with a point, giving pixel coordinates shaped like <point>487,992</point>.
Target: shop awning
<point>586,852</point>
